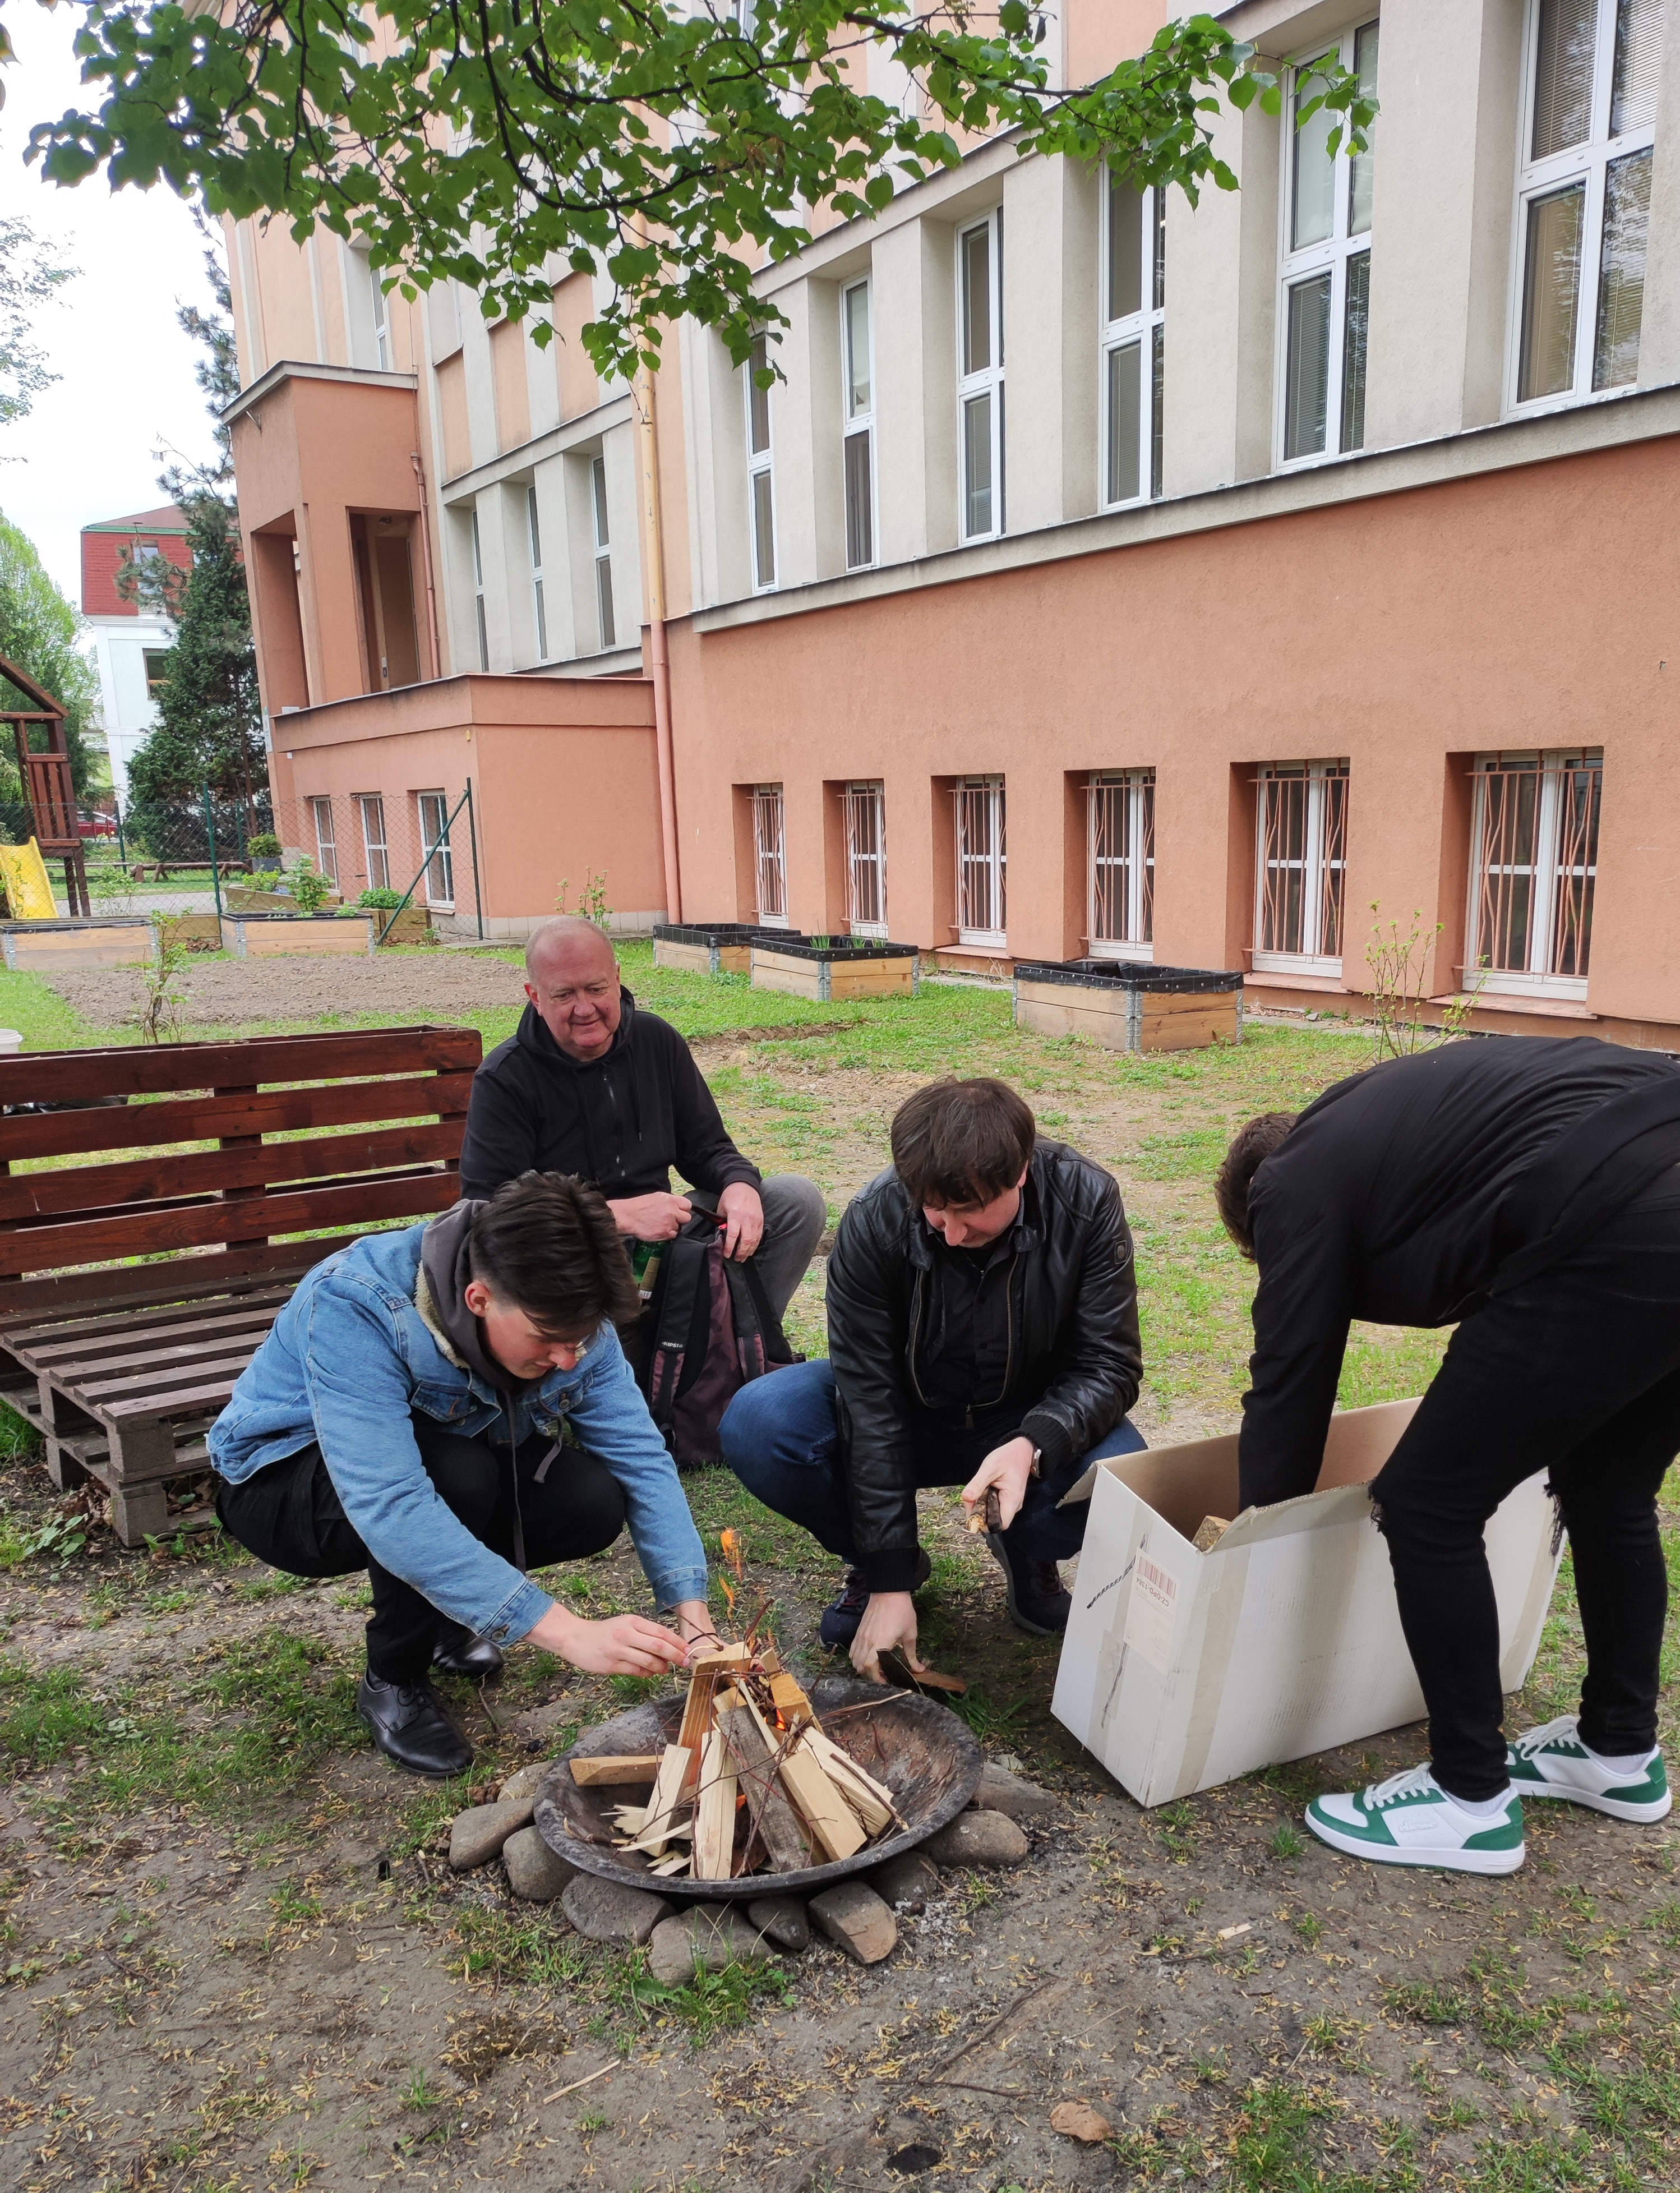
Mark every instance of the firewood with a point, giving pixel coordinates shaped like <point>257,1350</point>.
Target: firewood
<point>667,1867</point>
<point>825,1812</point>
<point>715,1812</point>
<point>894,1665</point>
<point>706,1671</point>
<point>678,1831</point>
<point>773,1819</point>
<point>790,1700</point>
<point>610,1771</point>
<point>872,1804</point>
<point>630,1819</point>
<point>668,1792</point>
<point>988,1515</point>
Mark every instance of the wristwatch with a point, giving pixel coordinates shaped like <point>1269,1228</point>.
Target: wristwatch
<point>1037,1468</point>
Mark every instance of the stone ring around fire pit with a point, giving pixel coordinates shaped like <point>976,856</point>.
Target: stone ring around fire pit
<point>926,1756</point>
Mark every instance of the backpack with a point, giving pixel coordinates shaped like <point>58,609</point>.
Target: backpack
<point>707,1330</point>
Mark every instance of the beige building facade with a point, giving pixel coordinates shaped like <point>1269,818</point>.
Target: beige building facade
<point>1102,575</point>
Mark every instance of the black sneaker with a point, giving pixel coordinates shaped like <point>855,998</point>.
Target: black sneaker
<point>411,1728</point>
<point>839,1624</point>
<point>1039,1602</point>
<point>457,1653</point>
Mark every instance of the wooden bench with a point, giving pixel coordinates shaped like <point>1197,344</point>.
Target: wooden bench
<point>135,1288</point>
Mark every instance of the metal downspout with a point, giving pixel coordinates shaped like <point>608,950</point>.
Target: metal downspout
<point>425,556</point>
<point>653,568</point>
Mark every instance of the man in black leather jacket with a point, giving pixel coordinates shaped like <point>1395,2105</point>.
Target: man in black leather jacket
<point>982,1331</point>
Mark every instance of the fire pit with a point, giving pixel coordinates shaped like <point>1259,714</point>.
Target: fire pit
<point>920,1751</point>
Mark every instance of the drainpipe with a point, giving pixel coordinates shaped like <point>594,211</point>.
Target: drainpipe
<point>653,570</point>
<point>425,556</point>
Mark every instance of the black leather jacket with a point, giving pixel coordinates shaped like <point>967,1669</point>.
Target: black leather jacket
<point>1074,1353</point>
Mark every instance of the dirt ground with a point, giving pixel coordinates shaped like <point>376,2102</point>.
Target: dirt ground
<point>232,1955</point>
<point>231,993</point>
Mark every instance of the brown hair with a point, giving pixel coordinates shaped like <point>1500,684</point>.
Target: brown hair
<point>546,1245</point>
<point>961,1142</point>
<point>1250,1147</point>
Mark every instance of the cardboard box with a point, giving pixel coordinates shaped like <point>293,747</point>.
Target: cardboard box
<point>1181,1671</point>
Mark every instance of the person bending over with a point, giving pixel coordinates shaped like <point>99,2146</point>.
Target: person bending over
<point>1524,1189</point>
<point>982,1331</point>
<point>448,1407</point>
<point>590,1084</point>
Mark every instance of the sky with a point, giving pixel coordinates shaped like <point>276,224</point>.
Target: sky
<point>86,451</point>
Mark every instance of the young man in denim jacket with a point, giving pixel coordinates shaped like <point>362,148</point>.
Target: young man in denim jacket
<point>449,1407</point>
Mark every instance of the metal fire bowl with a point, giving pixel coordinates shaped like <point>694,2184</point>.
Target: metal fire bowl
<point>925,1755</point>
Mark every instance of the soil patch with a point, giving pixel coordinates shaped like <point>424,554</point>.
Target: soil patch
<point>221,994</point>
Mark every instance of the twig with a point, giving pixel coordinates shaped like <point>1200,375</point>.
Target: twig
<point>576,2083</point>
<point>1002,2018</point>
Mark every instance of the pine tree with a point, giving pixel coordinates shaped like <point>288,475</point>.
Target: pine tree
<point>210,729</point>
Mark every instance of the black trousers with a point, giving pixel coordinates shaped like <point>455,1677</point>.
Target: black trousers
<point>1579,1374</point>
<point>289,1516</point>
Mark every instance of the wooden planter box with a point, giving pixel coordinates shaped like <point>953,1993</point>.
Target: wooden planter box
<point>412,924</point>
<point>712,948</point>
<point>1126,1006</point>
<point>238,900</point>
<point>101,941</point>
<point>277,935</point>
<point>855,968</point>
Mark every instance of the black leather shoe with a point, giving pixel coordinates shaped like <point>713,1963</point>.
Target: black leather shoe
<point>478,1658</point>
<point>839,1624</point>
<point>1039,1602</point>
<point>411,1728</point>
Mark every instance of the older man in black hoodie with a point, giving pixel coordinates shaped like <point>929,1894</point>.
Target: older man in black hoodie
<point>590,1085</point>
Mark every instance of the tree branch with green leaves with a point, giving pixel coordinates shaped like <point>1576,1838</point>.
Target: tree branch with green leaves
<point>507,143</point>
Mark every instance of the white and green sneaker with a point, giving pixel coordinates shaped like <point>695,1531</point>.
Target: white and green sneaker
<point>1411,1820</point>
<point>1553,1762</point>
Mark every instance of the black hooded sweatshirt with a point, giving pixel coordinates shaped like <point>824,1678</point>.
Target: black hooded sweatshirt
<point>1401,1194</point>
<point>619,1121</point>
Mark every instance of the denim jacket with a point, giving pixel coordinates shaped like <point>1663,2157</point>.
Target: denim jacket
<point>351,1355</point>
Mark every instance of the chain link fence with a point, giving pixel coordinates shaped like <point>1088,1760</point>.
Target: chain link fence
<point>413,859</point>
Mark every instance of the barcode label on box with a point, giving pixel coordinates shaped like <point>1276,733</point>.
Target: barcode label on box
<point>1149,1613</point>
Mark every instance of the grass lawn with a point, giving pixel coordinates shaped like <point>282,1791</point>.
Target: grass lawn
<point>234,1954</point>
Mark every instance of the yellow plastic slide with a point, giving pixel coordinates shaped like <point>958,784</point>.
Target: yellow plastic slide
<point>29,892</point>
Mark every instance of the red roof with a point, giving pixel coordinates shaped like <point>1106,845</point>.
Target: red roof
<point>171,519</point>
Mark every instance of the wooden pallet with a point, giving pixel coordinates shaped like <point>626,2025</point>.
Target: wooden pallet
<point>123,1366</point>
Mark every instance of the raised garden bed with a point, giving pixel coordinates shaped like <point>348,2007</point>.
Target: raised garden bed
<point>101,941</point>
<point>1128,1005</point>
<point>410,925</point>
<point>842,967</point>
<point>239,899</point>
<point>709,947</point>
<point>275,935</point>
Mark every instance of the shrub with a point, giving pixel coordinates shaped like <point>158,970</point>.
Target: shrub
<point>387,900</point>
<point>309,888</point>
<point>264,846</point>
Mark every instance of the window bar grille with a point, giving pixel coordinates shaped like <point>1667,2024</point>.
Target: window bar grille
<point>982,861</point>
<point>1121,850</point>
<point>1537,864</point>
<point>769,855</point>
<point>865,858</point>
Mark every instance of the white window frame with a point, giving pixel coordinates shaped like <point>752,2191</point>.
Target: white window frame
<point>1332,255</point>
<point>381,321</point>
<point>606,614</point>
<point>478,594</point>
<point>982,381</point>
<point>1322,861</point>
<point>769,856</point>
<point>1584,164</point>
<point>375,844</point>
<point>1120,812</point>
<point>761,473</point>
<point>534,529</point>
<point>1146,329</point>
<point>866,816</point>
<point>436,852</point>
<point>857,424</point>
<point>1552,864</point>
<point>982,875</point>
<point>326,839</point>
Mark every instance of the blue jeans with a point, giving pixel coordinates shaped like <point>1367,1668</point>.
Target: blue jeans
<point>781,1437</point>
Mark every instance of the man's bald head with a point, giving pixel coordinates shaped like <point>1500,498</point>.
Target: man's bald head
<point>571,981</point>
<point>566,933</point>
